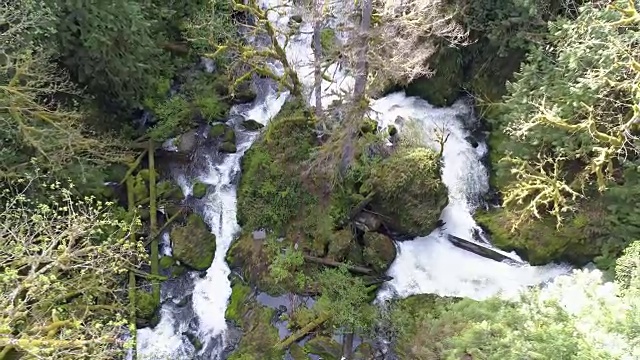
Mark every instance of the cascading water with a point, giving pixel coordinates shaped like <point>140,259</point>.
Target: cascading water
<point>209,294</point>
<point>427,264</point>
<point>431,264</point>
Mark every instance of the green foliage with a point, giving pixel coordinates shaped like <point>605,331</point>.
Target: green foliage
<point>284,270</point>
<point>346,298</point>
<point>212,107</point>
<point>63,265</point>
<point>112,48</point>
<point>408,190</point>
<point>328,41</point>
<point>174,116</point>
<point>628,268</point>
<point>193,244</point>
<point>566,131</point>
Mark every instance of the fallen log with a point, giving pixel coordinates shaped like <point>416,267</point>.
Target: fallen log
<point>302,332</point>
<point>483,250</point>
<point>328,262</point>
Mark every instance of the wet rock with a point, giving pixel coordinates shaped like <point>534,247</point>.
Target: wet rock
<point>325,347</point>
<point>259,235</point>
<point>379,251</point>
<point>187,142</point>
<point>471,140</point>
<point>228,147</point>
<point>367,221</point>
<point>392,130</point>
<point>244,95</point>
<point>217,130</point>
<point>296,18</point>
<point>252,125</point>
<point>193,244</point>
<point>193,339</point>
<point>199,190</point>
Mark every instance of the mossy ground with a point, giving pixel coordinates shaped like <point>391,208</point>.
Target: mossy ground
<point>259,335</point>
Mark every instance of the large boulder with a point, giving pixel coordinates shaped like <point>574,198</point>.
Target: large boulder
<point>252,125</point>
<point>193,244</point>
<point>187,142</point>
<point>379,251</point>
<point>408,191</point>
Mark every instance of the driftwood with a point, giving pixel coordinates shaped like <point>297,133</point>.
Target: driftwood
<point>328,262</point>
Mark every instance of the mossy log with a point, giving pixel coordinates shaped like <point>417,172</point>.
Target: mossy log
<point>153,223</point>
<point>303,332</point>
<point>353,268</point>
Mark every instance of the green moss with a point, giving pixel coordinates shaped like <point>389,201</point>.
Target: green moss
<point>540,242</point>
<point>270,193</point>
<point>251,258</point>
<point>166,262</point>
<point>340,245</point>
<point>145,305</point>
<point>325,347</point>
<point>297,353</point>
<point>237,302</point>
<point>228,147</point>
<point>379,251</point>
<point>443,87</point>
<point>259,335</point>
<point>392,130</point>
<point>369,126</point>
<point>193,244</point>
<point>409,193</point>
<point>217,130</point>
<point>193,339</point>
<point>229,135</point>
<point>199,189</point>
<point>140,189</point>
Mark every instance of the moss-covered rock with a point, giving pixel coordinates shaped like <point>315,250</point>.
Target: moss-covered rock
<point>244,95</point>
<point>325,347</point>
<point>217,130</point>
<point>259,335</point>
<point>364,352</point>
<point>199,189</point>
<point>146,305</point>
<point>369,126</point>
<point>408,191</point>
<point>166,262</point>
<point>379,251</point>
<point>228,147</point>
<point>541,242</point>
<point>443,87</point>
<point>340,245</point>
<point>167,190</point>
<point>237,303</point>
<point>187,142</point>
<point>252,125</point>
<point>193,244</point>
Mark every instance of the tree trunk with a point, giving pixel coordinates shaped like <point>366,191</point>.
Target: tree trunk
<point>132,276</point>
<point>302,332</point>
<point>362,66</point>
<point>153,213</point>
<point>353,268</point>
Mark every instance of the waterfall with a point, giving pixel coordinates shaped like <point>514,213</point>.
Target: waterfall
<point>428,264</point>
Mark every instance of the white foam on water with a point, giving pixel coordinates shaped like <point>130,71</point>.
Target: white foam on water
<point>431,264</point>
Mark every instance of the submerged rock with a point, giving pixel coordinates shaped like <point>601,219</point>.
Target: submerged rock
<point>193,244</point>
